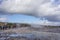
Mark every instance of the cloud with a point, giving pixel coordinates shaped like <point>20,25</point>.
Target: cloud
<point>20,6</point>
<point>17,6</point>
<point>3,19</point>
<point>49,9</point>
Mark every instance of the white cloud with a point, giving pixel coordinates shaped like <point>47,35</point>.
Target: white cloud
<point>21,6</point>
<point>3,19</point>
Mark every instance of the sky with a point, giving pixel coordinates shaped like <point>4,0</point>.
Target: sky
<point>30,11</point>
<point>17,18</point>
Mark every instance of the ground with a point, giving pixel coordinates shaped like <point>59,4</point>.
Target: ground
<point>30,33</point>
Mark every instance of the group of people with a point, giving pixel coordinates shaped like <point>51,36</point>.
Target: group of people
<point>10,26</point>
<point>6,27</point>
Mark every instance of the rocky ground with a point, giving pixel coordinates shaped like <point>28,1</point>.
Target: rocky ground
<point>30,33</point>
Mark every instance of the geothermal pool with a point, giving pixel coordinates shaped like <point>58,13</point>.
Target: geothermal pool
<point>29,34</point>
